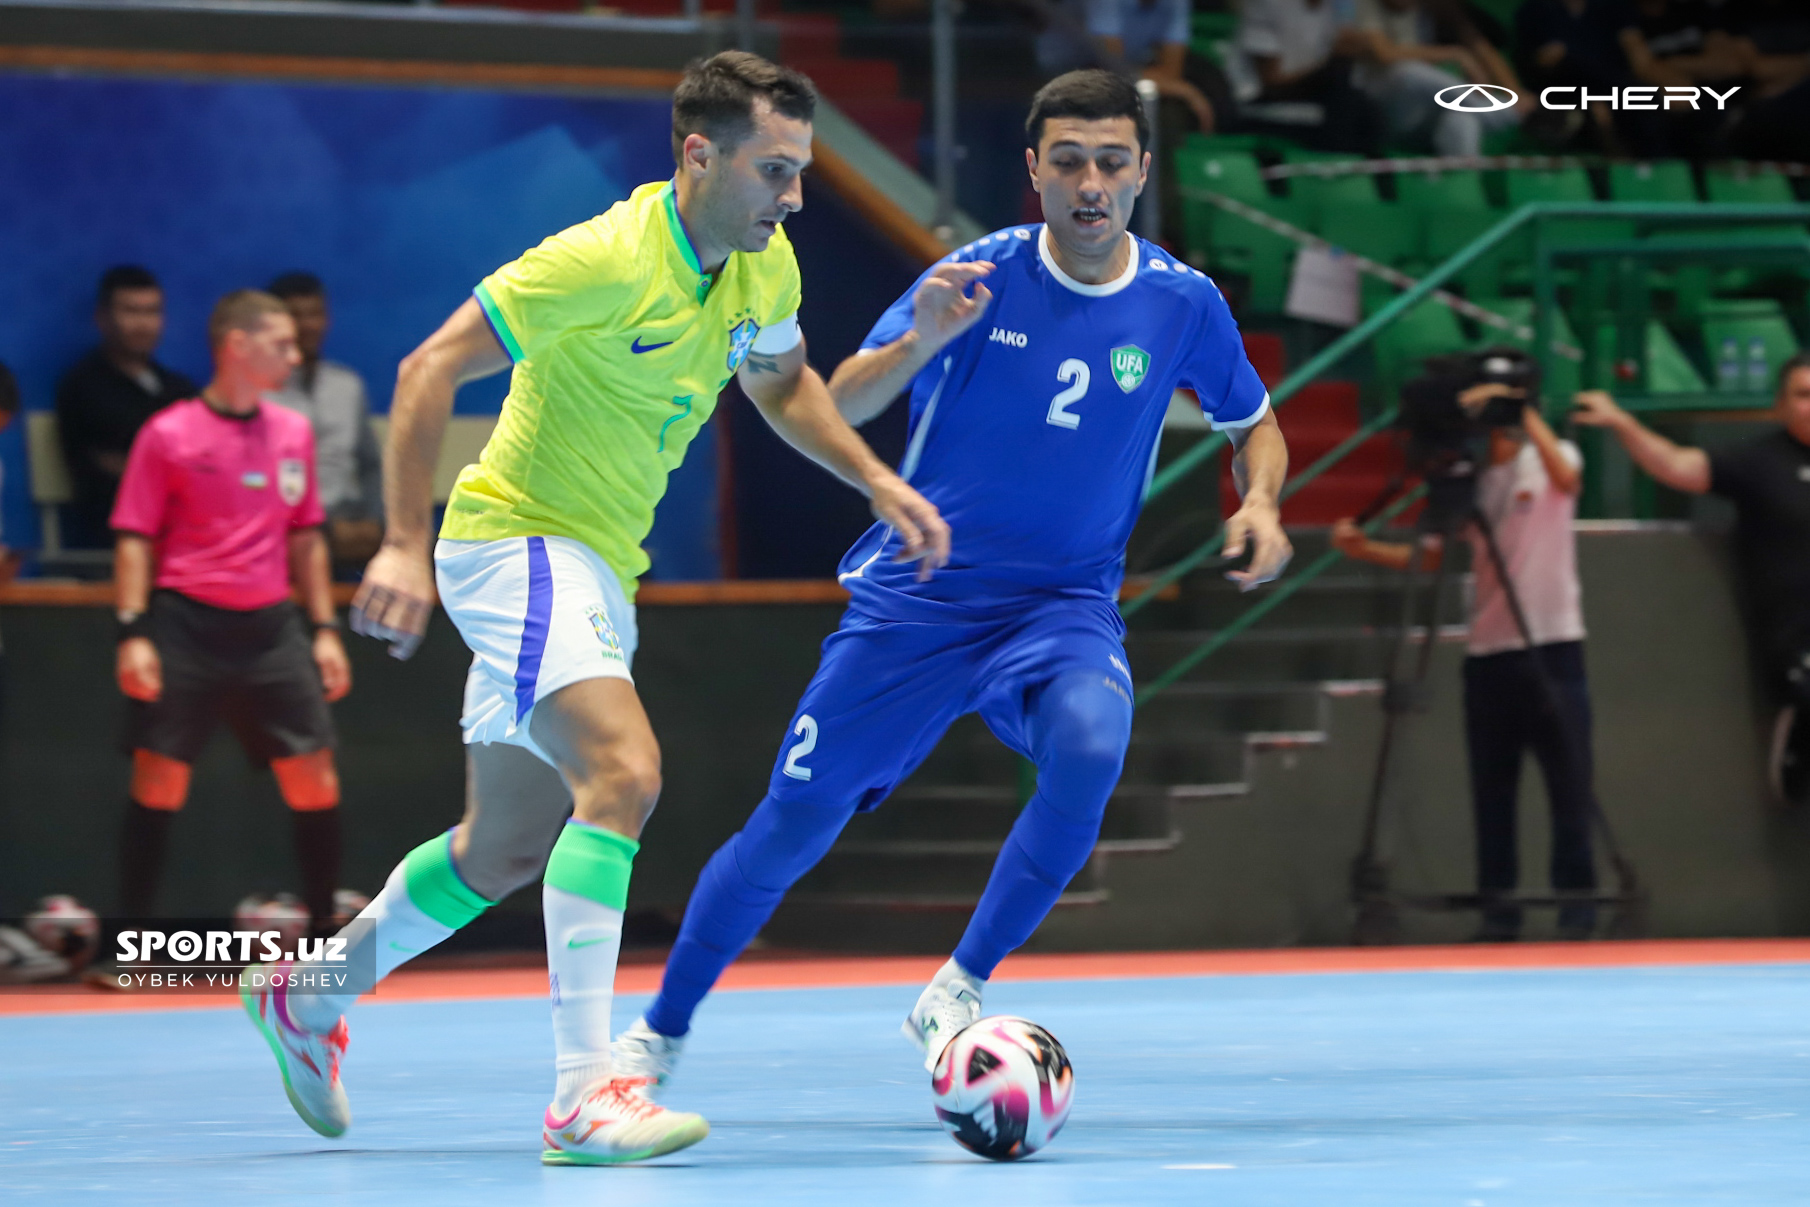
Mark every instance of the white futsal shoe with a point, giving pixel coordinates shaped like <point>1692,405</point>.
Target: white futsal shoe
<point>943,1010</point>
<point>309,1062</point>
<point>643,1052</point>
<point>615,1122</point>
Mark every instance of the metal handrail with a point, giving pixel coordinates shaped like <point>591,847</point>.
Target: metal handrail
<point>1271,601</point>
<point>1536,213</point>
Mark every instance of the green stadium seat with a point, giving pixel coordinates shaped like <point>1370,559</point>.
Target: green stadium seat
<point>1226,242</point>
<point>1747,188</point>
<point>1377,230</point>
<point>1559,184</point>
<point>1732,332</point>
<point>1665,369</point>
<point>1203,164</point>
<point>1449,232</point>
<point>1664,181</point>
<point>1429,329</point>
<point>1436,192</point>
<point>1318,196</point>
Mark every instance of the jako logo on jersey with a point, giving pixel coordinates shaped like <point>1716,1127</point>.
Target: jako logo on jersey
<point>741,340</point>
<point>1012,339</point>
<point>1129,365</point>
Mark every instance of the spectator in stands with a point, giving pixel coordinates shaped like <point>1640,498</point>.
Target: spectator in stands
<point>108,395</point>
<point>1771,41</point>
<point>1679,42</point>
<point>1768,480</point>
<point>219,514</point>
<point>1412,48</point>
<point>1145,39</point>
<point>1577,44</point>
<point>332,396</point>
<point>1529,495</point>
<point>1302,53</point>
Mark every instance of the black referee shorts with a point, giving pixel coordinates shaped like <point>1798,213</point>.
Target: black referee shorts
<point>254,670</point>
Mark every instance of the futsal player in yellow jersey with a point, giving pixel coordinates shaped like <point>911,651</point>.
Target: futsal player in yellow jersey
<point>621,331</point>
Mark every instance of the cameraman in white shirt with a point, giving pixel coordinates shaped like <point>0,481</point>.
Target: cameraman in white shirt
<point>1528,493</point>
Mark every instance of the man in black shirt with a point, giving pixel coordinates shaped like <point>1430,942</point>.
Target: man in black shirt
<point>108,395</point>
<point>1768,480</point>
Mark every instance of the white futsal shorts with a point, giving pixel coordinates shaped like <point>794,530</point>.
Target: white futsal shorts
<point>539,613</point>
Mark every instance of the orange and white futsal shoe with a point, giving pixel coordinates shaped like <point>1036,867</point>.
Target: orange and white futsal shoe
<point>616,1122</point>
<point>309,1062</point>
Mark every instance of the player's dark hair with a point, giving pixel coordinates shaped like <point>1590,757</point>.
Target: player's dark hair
<point>241,310</point>
<point>716,98</point>
<point>123,276</point>
<point>1091,95</point>
<point>296,284</point>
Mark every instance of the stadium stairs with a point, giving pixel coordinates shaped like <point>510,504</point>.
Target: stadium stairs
<point>915,867</point>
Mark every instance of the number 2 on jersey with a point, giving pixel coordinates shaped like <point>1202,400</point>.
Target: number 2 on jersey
<point>1077,372</point>
<point>807,725</point>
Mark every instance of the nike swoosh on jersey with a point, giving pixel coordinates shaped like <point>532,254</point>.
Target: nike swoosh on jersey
<point>637,348</point>
<point>575,943</point>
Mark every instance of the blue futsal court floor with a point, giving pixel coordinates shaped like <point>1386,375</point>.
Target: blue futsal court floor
<point>1597,1087</point>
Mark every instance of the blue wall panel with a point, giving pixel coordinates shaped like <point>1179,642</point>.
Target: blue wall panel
<point>400,198</point>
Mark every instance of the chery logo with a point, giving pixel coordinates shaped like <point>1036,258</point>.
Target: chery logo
<point>1492,98</point>
<point>1476,98</point>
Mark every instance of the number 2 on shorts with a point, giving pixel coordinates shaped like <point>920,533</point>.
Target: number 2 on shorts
<point>807,725</point>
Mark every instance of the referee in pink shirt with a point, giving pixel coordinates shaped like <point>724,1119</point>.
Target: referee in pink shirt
<point>218,514</point>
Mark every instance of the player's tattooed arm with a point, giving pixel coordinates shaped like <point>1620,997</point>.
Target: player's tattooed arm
<point>756,363</point>
<point>942,309</point>
<point>796,404</point>
<point>1259,466</point>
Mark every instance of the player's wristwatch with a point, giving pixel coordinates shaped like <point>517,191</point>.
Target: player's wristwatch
<point>132,624</point>
<point>326,626</point>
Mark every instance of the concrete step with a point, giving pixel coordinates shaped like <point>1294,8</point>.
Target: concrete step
<point>939,879</point>
<point>1270,655</point>
<point>954,817</point>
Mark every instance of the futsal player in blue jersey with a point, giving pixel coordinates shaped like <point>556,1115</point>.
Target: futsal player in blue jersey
<point>1041,360</point>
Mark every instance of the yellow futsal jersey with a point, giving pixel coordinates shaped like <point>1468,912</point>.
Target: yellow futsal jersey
<point>621,345</point>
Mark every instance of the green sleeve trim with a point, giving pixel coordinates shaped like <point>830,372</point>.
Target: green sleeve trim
<point>592,862</point>
<point>498,324</point>
<point>434,885</point>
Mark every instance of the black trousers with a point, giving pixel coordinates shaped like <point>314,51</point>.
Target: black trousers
<point>1507,714</point>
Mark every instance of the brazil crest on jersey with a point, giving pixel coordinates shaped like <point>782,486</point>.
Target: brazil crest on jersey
<point>1035,433</point>
<point>621,345</point>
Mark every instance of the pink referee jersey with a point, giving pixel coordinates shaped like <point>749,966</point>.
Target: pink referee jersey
<point>219,495</point>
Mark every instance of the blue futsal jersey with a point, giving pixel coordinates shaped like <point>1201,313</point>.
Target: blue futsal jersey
<point>1035,432</point>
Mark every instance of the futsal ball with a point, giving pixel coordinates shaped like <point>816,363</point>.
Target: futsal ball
<point>65,927</point>
<point>281,913</point>
<point>1002,1087</point>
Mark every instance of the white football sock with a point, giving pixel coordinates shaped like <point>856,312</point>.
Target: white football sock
<point>386,934</point>
<point>584,938</point>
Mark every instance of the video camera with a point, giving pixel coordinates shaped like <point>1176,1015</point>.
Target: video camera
<point>1447,437</point>
<point>1435,418</point>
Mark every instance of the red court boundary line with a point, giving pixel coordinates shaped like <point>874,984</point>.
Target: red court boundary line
<point>855,971</point>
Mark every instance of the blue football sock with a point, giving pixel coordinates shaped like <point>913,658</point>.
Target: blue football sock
<point>1079,728</point>
<point>738,891</point>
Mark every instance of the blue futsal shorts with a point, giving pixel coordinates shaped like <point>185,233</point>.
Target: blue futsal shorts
<point>885,692</point>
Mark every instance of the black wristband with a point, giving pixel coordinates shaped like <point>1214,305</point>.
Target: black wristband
<point>138,626</point>
<point>321,626</point>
